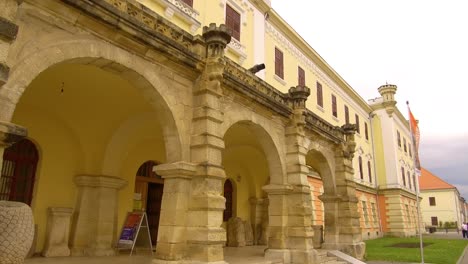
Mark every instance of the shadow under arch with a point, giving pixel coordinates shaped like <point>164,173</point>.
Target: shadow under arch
<point>319,163</point>
<point>268,147</point>
<point>106,57</point>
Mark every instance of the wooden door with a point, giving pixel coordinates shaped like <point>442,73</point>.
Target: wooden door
<point>153,209</point>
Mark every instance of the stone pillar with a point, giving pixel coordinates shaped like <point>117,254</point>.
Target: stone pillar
<point>206,237</point>
<point>95,217</point>
<point>172,232</point>
<point>350,236</point>
<point>58,230</point>
<point>8,32</point>
<point>259,219</point>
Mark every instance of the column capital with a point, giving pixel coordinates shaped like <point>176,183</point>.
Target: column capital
<point>100,181</point>
<point>11,133</point>
<point>179,169</point>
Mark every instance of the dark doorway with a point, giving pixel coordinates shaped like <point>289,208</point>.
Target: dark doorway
<point>153,209</point>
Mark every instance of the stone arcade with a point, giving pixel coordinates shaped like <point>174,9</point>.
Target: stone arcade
<point>103,85</point>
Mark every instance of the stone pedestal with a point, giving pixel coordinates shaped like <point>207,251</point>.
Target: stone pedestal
<point>172,232</point>
<point>95,217</point>
<point>58,230</point>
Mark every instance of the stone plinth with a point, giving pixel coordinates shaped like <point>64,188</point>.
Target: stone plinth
<point>58,232</point>
<point>96,215</point>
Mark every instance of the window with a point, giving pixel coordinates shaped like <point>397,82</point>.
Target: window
<point>399,138</point>
<point>319,94</point>
<point>409,179</point>
<point>407,212</point>
<point>414,181</point>
<point>346,114</point>
<point>370,171</point>
<point>19,172</point>
<point>360,169</point>
<point>374,215</point>
<point>300,76</point>
<point>233,22</point>
<point>434,221</point>
<point>404,144</point>
<point>409,150</point>
<point>279,63</point>
<point>334,108</point>
<point>364,210</point>
<point>228,194</point>
<point>357,123</point>
<point>432,201</point>
<point>188,2</point>
<point>366,131</point>
<point>403,176</point>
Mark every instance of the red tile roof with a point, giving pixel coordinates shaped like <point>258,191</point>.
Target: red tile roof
<point>429,181</point>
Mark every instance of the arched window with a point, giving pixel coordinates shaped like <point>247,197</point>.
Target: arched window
<point>19,172</point>
<point>361,173</point>
<point>228,194</point>
<point>146,170</point>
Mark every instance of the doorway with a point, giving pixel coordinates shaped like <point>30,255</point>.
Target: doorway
<point>149,191</point>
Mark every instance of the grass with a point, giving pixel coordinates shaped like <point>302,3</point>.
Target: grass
<point>437,251</point>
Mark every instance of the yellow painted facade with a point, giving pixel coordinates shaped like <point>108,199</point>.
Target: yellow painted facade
<point>98,100</point>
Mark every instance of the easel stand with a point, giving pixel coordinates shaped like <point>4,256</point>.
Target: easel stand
<point>132,234</point>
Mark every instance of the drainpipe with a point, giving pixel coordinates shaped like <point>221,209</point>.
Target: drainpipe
<point>371,116</point>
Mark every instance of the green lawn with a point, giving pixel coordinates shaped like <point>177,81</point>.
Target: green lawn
<point>441,251</point>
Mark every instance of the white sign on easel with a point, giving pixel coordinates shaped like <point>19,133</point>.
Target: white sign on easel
<point>133,232</point>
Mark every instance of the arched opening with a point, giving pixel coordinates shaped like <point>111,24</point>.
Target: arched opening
<point>148,196</point>
<point>229,196</point>
<point>250,162</point>
<point>19,172</point>
<point>98,120</point>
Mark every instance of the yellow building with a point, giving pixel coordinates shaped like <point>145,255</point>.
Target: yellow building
<point>441,202</point>
<point>122,105</point>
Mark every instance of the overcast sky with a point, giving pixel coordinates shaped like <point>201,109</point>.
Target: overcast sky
<point>419,45</point>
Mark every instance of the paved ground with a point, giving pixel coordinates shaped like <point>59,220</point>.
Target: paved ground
<point>448,235</point>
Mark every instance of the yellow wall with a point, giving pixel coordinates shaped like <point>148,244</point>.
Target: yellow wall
<point>445,209</point>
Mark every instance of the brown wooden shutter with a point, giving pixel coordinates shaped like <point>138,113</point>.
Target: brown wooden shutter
<point>346,114</point>
<point>360,169</point>
<point>233,22</point>
<point>319,94</point>
<point>334,107</point>
<point>370,171</point>
<point>188,2</point>
<point>403,176</point>
<point>366,131</point>
<point>357,123</point>
<point>279,63</point>
<point>300,76</point>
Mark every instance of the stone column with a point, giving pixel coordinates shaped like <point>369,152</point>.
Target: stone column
<point>172,232</point>
<point>8,32</point>
<point>58,230</point>
<point>350,236</point>
<point>206,237</point>
<point>300,232</point>
<point>95,217</point>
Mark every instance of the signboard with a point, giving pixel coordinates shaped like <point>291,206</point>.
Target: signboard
<point>133,232</point>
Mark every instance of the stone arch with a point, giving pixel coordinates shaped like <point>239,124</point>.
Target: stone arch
<point>268,143</point>
<point>107,57</point>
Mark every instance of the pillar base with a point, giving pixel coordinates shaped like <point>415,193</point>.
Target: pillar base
<point>355,250</point>
<point>278,254</point>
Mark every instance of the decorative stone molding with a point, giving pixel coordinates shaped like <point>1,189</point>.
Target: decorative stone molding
<point>237,48</point>
<point>299,95</point>
<point>319,125</point>
<point>11,133</point>
<point>8,30</point>
<point>182,10</point>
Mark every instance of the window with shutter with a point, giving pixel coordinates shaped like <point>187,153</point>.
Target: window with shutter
<point>398,138</point>
<point>300,76</point>
<point>188,2</point>
<point>370,171</point>
<point>404,144</point>
<point>366,131</point>
<point>279,63</point>
<point>403,176</point>
<point>361,174</point>
<point>409,179</point>
<point>319,95</point>
<point>358,127</point>
<point>346,114</point>
<point>432,201</point>
<point>233,22</point>
<point>434,221</point>
<point>334,107</point>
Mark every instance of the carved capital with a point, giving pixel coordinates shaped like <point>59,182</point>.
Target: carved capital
<point>349,146</point>
<point>11,133</point>
<point>299,96</point>
<point>216,39</point>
